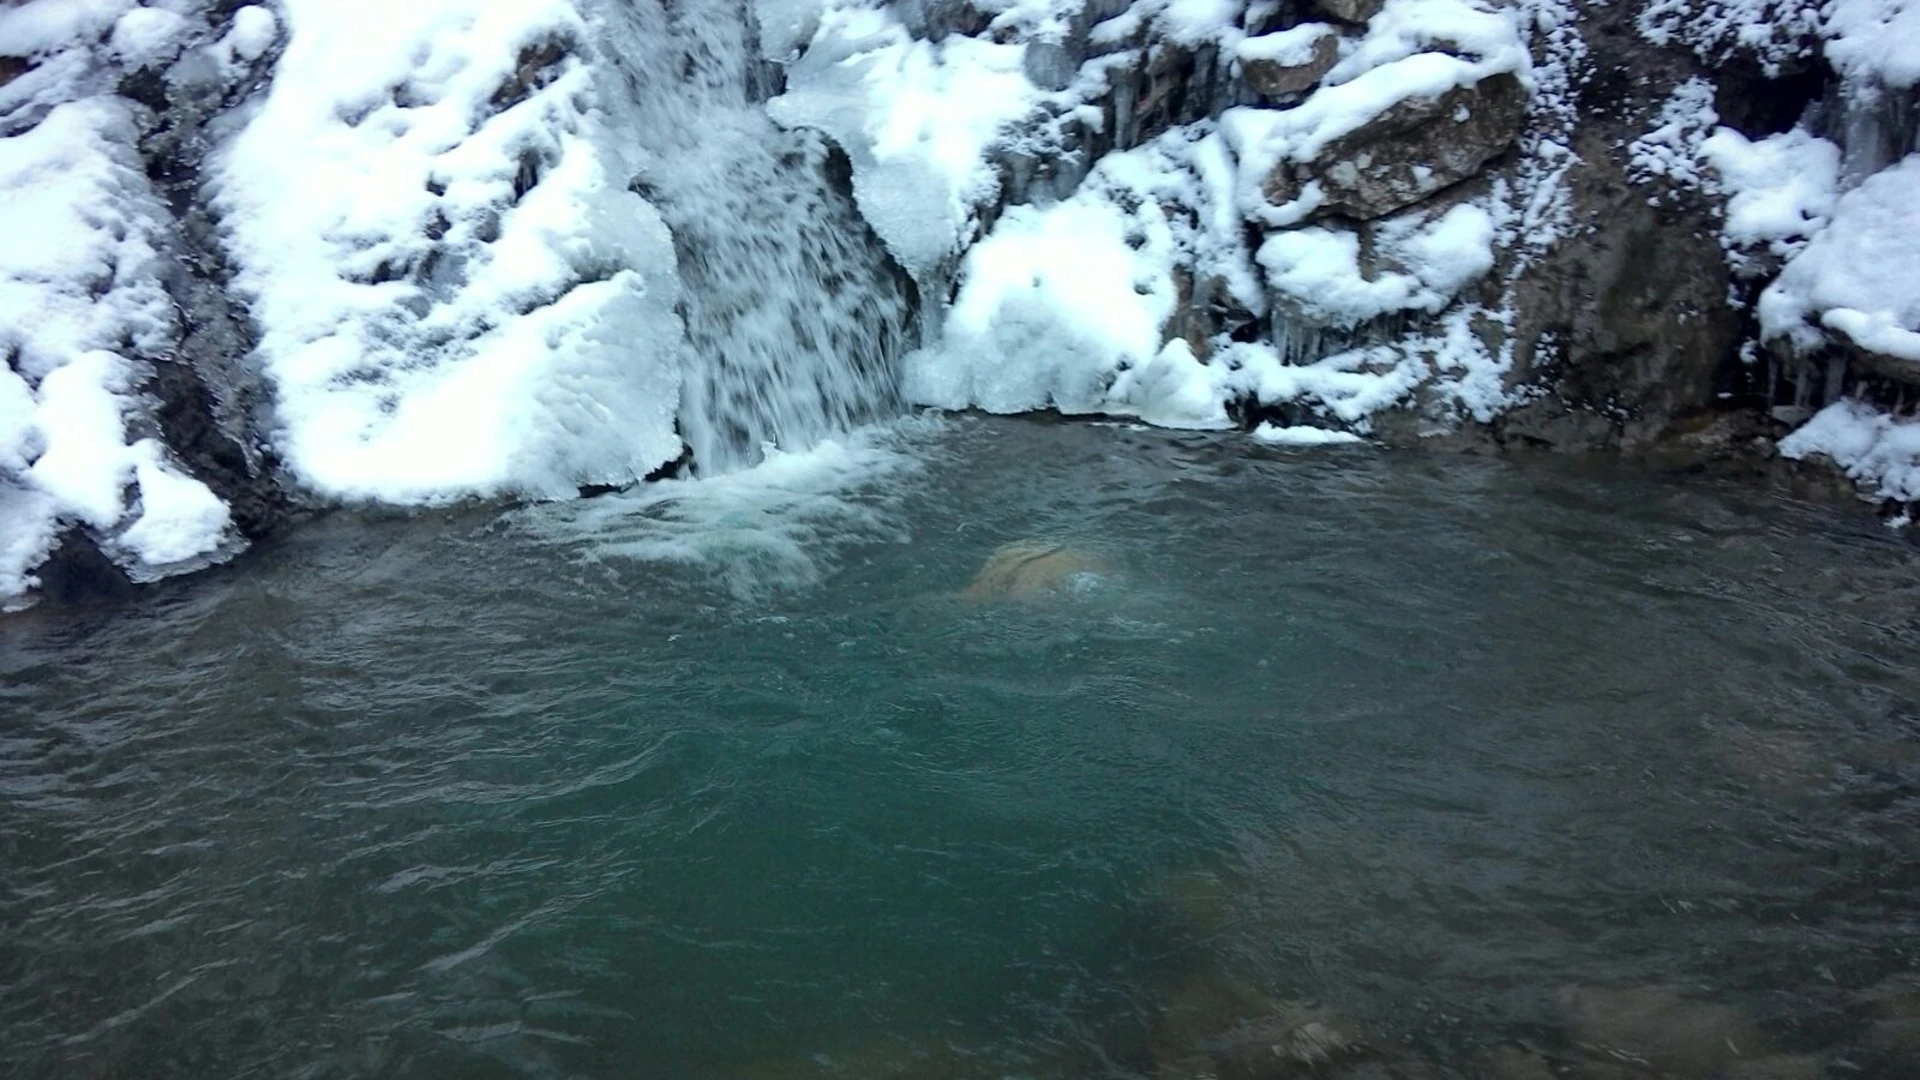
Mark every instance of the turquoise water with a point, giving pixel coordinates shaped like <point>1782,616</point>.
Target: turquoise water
<point>1477,765</point>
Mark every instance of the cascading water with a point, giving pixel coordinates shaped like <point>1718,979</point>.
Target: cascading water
<point>794,313</point>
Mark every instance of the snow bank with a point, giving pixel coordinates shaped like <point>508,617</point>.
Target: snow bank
<point>1877,40</point>
<point>455,293</point>
<point>1875,450</point>
<point>917,119</point>
<point>80,304</point>
<point>1051,305</point>
<point>1860,276</point>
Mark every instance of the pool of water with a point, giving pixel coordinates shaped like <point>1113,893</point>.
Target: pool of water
<point>1259,763</point>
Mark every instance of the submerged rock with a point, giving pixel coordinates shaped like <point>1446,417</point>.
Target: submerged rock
<point>1662,1028</point>
<point>1212,1027</point>
<point>1029,568</point>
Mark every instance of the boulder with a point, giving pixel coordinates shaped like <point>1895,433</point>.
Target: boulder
<point>1409,151</point>
<point>1030,568</point>
<point>1353,11</point>
<point>1289,70</point>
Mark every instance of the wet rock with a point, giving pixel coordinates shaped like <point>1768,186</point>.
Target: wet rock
<point>1275,78</point>
<point>1410,151</point>
<point>1030,568</point>
<point>1353,11</point>
<point>78,572</point>
<point>1662,1028</point>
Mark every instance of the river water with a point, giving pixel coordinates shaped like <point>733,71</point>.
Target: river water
<point>1404,766</point>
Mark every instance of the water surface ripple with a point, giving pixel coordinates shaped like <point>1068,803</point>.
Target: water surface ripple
<point>1491,766</point>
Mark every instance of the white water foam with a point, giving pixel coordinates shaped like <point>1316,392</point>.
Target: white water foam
<point>770,528</point>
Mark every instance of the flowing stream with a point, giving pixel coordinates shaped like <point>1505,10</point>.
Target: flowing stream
<point>1480,766</point>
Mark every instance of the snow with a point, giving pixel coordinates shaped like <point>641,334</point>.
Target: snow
<point>1876,450</point>
<point>45,26</point>
<point>1860,276</point>
<point>1780,190</point>
<point>1463,28</point>
<point>1292,47</point>
<point>433,327</point>
<point>1051,304</point>
<point>1318,270</point>
<point>253,32</point>
<point>1772,31</point>
<point>1303,435</point>
<point>180,519</point>
<point>1876,40</point>
<point>917,119</point>
<point>148,35</point>
<point>80,307</point>
<point>1386,68</point>
<point>1671,149</point>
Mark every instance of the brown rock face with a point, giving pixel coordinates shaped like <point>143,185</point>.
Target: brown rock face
<point>1410,151</point>
<point>1353,11</point>
<point>11,68</point>
<point>1270,78</point>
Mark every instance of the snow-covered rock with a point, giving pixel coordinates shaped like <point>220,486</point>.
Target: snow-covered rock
<point>455,292</point>
<point>1860,276</point>
<point>1878,451</point>
<point>81,309</point>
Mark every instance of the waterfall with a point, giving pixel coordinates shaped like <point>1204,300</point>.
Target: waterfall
<point>794,313</point>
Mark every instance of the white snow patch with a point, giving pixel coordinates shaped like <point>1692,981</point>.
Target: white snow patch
<point>1303,435</point>
<point>1422,264</point>
<point>1876,40</point>
<point>1490,34</point>
<point>1772,31</point>
<point>180,519</point>
<point>149,35</point>
<point>1780,190</point>
<point>1385,69</point>
<point>1292,47</point>
<point>1876,450</point>
<point>1051,305</point>
<point>1860,276</point>
<point>455,293</point>
<point>917,119</point>
<point>1671,150</point>
<point>1067,306</point>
